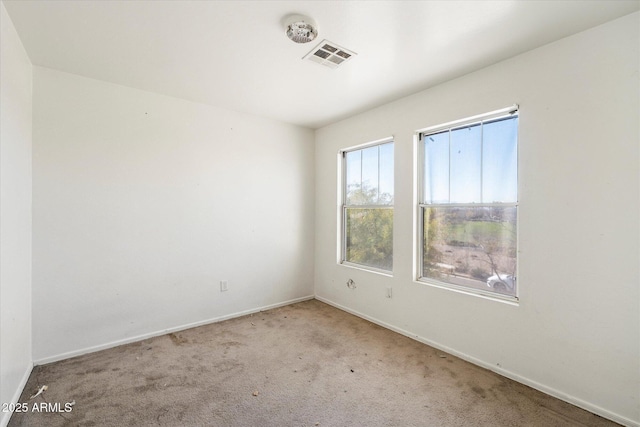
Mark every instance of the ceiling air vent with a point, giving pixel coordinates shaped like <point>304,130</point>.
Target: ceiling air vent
<point>329,54</point>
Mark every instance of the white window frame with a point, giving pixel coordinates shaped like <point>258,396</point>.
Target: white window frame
<point>342,206</point>
<point>421,205</point>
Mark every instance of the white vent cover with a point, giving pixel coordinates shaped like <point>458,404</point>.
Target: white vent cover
<point>329,54</point>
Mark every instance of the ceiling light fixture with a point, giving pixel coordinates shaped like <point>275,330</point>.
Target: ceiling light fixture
<point>300,29</point>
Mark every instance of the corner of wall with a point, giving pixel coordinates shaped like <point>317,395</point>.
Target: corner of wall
<point>16,351</point>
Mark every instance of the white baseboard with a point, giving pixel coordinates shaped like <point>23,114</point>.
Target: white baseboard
<point>6,416</point>
<point>505,373</point>
<point>112,344</point>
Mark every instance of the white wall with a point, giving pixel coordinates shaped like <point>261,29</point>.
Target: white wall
<point>15,213</point>
<point>144,203</point>
<point>575,333</point>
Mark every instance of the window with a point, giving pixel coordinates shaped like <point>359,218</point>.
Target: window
<point>367,206</point>
<point>468,201</point>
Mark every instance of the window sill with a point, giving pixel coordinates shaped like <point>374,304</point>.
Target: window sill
<point>367,269</point>
<point>506,299</point>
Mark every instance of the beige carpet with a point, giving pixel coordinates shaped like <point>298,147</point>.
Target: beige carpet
<point>306,364</point>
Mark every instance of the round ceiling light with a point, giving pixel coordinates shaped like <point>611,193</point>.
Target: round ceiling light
<point>301,29</point>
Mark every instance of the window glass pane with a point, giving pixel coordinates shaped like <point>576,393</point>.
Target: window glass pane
<point>353,175</point>
<point>471,247</point>
<point>369,234</point>
<point>466,161</point>
<point>500,161</point>
<point>386,174</point>
<point>370,175</point>
<point>436,168</point>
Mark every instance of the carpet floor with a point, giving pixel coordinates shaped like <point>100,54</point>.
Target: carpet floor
<point>306,364</point>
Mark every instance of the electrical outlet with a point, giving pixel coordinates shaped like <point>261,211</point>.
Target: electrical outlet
<point>224,286</point>
<point>389,291</point>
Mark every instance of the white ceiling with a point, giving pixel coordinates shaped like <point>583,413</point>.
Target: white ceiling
<point>234,54</point>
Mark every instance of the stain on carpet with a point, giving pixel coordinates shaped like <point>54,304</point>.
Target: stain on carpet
<point>178,339</point>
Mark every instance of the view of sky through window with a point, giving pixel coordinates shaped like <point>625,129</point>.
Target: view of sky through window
<point>472,164</point>
<point>370,175</point>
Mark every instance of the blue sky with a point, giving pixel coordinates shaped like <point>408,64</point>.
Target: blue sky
<point>373,167</point>
<point>472,164</point>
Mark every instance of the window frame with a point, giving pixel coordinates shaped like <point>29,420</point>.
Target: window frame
<point>343,207</point>
<point>422,206</point>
